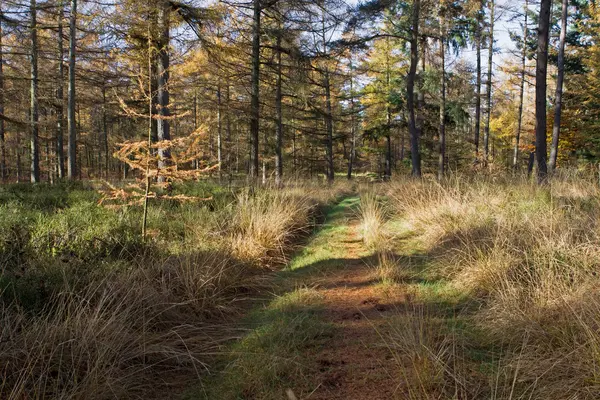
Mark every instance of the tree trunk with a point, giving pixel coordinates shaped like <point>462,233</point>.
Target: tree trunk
<point>540,91</point>
<point>530,163</point>
<point>150,131</point>
<point>228,128</point>
<point>195,161</point>
<point>34,112</point>
<point>278,114</point>
<point>421,91</point>
<point>255,90</point>
<point>60,98</point>
<point>478,44</point>
<point>486,134</point>
<point>3,168</point>
<point>294,160</point>
<point>410,91</point>
<point>72,148</point>
<point>559,87</point>
<point>442,129</point>
<point>162,69</point>
<point>352,154</point>
<point>387,173</point>
<point>329,128</point>
<point>105,132</point>
<point>522,91</point>
<point>402,148</point>
<point>328,109</point>
<point>219,129</point>
<point>18,166</point>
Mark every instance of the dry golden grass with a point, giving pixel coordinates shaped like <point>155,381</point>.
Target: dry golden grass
<point>263,223</point>
<point>530,256</point>
<point>372,212</point>
<point>146,326</point>
<point>111,338</point>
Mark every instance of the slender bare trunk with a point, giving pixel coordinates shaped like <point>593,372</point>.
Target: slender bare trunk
<point>559,87</point>
<point>60,98</point>
<point>71,117</point>
<point>522,91</point>
<point>486,133</point>
<point>352,155</point>
<point>478,44</point>
<point>328,110</point>
<point>228,128</point>
<point>255,92</point>
<point>540,91</point>
<point>3,167</point>
<point>105,132</point>
<point>34,111</point>
<point>150,129</point>
<point>387,173</point>
<point>329,128</point>
<point>162,69</point>
<point>278,114</point>
<point>442,128</point>
<point>410,91</point>
<point>219,128</point>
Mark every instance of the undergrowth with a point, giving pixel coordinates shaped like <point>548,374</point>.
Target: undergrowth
<point>89,309</point>
<point>517,264</point>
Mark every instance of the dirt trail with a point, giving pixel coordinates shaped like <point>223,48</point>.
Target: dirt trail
<point>355,363</point>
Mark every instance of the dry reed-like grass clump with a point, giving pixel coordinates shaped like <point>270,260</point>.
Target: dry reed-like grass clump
<point>530,256</point>
<point>263,224</point>
<point>108,326</point>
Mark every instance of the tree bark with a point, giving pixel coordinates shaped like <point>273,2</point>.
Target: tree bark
<point>352,154</point>
<point>442,128</point>
<point>3,167</point>
<point>329,127</point>
<point>559,87</point>
<point>60,98</point>
<point>540,91</point>
<point>387,173</point>
<point>162,69</point>
<point>105,132</point>
<point>219,128</point>
<point>478,44</point>
<point>34,111</point>
<point>228,128</point>
<point>255,92</point>
<point>522,91</point>
<point>71,117</point>
<point>278,114</point>
<point>410,91</point>
<point>486,134</point>
<point>328,110</point>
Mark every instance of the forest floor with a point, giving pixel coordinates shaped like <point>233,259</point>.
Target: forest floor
<point>328,334</point>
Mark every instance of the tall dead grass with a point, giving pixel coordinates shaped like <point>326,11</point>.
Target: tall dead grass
<point>263,223</point>
<point>143,327</point>
<point>530,256</point>
<point>373,214</point>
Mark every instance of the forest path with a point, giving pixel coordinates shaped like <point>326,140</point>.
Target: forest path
<point>322,336</point>
<point>355,362</point>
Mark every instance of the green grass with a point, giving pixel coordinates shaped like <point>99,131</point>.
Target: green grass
<point>275,354</point>
<point>77,278</point>
<point>324,247</point>
<point>272,357</point>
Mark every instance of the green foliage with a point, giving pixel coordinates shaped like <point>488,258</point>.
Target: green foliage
<point>46,197</point>
<point>86,231</point>
<point>87,307</point>
<point>271,357</point>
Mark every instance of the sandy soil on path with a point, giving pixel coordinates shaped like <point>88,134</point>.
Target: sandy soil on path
<point>356,364</point>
